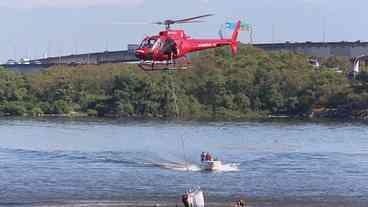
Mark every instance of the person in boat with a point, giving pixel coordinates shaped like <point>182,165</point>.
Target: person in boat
<point>203,156</point>
<point>208,157</point>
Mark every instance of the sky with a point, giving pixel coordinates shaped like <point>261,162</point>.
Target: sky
<point>35,28</point>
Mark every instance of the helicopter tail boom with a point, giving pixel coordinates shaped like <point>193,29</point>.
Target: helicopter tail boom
<point>234,39</point>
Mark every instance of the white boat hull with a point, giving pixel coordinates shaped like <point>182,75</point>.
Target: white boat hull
<point>211,165</point>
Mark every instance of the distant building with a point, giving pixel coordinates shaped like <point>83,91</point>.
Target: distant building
<point>11,62</point>
<point>25,61</point>
<point>132,48</point>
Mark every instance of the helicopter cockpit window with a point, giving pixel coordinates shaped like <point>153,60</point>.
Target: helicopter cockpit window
<point>158,44</point>
<point>148,43</point>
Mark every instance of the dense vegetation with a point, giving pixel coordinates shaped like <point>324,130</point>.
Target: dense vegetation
<point>254,84</point>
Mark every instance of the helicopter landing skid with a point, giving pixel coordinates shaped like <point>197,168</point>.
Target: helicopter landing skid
<point>150,66</point>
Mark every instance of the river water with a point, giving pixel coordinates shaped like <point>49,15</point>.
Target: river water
<point>57,160</point>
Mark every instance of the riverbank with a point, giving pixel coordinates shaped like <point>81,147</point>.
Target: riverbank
<point>251,202</point>
<point>163,121</point>
<point>256,84</point>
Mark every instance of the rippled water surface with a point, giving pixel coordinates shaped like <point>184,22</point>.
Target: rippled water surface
<point>60,160</point>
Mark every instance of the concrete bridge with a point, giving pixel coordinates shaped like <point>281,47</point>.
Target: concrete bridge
<point>313,49</point>
<point>79,59</point>
<point>92,58</point>
<point>320,49</point>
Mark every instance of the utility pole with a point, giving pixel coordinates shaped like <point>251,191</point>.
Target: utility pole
<point>251,33</point>
<point>107,45</point>
<point>49,49</point>
<point>273,33</point>
<point>324,29</point>
<point>14,52</point>
<point>76,46</point>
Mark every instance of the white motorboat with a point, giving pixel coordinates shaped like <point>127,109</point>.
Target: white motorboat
<point>211,165</point>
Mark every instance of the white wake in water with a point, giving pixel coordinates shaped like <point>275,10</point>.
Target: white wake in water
<point>170,163</point>
<point>232,167</point>
<point>181,167</point>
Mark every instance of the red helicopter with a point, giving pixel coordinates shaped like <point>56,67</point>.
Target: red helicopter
<point>162,51</point>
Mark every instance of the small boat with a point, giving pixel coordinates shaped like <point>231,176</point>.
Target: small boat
<point>211,165</point>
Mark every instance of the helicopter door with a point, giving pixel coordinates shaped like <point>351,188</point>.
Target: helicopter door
<point>169,47</point>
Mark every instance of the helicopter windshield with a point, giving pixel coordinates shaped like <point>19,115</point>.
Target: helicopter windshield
<point>148,43</point>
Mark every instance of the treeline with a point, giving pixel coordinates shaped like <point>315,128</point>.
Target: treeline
<point>254,84</point>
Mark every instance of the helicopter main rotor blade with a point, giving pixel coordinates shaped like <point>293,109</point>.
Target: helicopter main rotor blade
<point>168,22</point>
<point>159,23</point>
<point>192,18</point>
<point>130,23</point>
<point>189,22</point>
